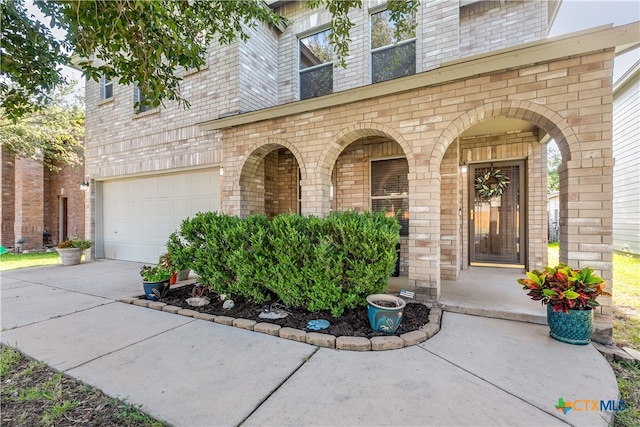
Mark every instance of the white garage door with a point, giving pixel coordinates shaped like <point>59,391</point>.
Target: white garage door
<point>139,214</point>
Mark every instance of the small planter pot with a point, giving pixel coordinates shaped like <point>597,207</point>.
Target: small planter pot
<point>184,274</point>
<point>149,287</point>
<point>70,256</point>
<point>574,327</point>
<point>385,312</point>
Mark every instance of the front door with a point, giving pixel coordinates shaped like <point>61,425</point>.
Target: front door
<point>497,233</point>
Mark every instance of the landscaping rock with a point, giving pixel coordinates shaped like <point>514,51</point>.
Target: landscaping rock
<point>413,338</point>
<point>434,318</point>
<point>244,324</point>
<point>187,312</point>
<point>633,353</point>
<point>430,329</point>
<point>205,316</point>
<point>386,343</point>
<point>128,300</point>
<point>321,340</point>
<point>436,311</point>
<point>225,320</point>
<point>173,309</point>
<point>353,343</point>
<point>605,351</point>
<point>293,334</point>
<point>142,302</point>
<point>620,355</point>
<point>268,328</point>
<point>156,305</point>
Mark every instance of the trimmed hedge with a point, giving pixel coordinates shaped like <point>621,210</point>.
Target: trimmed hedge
<point>302,261</point>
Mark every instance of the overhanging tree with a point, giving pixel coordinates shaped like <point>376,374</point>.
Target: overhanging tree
<point>139,42</point>
<point>51,135</point>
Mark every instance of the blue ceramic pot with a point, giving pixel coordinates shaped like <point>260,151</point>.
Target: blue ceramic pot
<point>574,327</point>
<point>149,287</point>
<point>382,318</point>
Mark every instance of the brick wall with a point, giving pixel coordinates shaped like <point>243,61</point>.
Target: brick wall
<point>561,97</point>
<point>29,220</point>
<point>64,184</point>
<point>492,25</point>
<point>8,205</point>
<point>263,72</point>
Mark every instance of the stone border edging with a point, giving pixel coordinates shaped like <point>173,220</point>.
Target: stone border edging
<point>381,343</point>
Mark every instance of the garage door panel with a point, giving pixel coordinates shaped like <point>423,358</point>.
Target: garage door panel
<point>139,214</point>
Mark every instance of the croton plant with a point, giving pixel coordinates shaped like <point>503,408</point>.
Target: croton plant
<point>564,288</point>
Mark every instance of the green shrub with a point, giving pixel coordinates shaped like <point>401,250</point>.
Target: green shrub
<point>308,262</point>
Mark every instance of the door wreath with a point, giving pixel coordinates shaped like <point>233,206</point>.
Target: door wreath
<point>491,184</point>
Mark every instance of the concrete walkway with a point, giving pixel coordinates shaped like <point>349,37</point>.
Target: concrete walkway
<point>476,371</point>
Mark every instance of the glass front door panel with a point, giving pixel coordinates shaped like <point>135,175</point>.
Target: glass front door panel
<point>496,234</point>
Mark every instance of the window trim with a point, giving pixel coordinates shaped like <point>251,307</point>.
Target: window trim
<point>103,85</point>
<point>138,113</point>
<point>299,38</point>
<point>388,46</point>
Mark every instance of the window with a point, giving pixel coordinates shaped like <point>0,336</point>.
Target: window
<point>390,190</point>
<point>316,65</point>
<point>106,88</point>
<point>391,56</point>
<point>138,97</point>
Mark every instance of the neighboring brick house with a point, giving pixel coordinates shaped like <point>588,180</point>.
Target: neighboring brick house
<point>626,151</point>
<point>274,127</point>
<point>39,206</point>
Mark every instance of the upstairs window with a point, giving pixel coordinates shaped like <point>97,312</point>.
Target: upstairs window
<point>106,88</point>
<point>138,97</point>
<point>390,190</point>
<point>316,65</point>
<point>391,56</point>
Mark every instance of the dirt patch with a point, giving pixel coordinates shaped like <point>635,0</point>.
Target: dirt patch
<point>353,322</point>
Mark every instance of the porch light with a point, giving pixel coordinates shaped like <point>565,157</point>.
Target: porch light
<point>221,171</point>
<point>85,185</point>
<point>463,167</point>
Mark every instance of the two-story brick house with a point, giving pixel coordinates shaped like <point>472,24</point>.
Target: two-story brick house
<point>410,126</point>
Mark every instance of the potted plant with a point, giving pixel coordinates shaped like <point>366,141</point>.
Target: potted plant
<point>154,280</point>
<point>180,255</point>
<point>385,312</point>
<point>165,261</point>
<point>570,296</point>
<point>70,251</point>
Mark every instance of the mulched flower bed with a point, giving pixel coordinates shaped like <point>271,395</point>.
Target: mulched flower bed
<point>352,323</point>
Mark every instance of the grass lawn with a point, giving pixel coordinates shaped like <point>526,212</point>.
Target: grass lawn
<point>34,394</point>
<point>11,261</point>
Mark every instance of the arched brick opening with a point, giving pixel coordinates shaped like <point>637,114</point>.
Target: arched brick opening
<point>342,140</point>
<point>269,178</point>
<point>348,162</point>
<point>585,189</point>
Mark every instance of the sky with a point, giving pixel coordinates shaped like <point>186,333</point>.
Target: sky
<point>578,15</point>
<point>574,15</point>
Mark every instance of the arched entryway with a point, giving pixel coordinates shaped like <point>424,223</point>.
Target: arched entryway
<point>271,179</point>
<point>476,141</point>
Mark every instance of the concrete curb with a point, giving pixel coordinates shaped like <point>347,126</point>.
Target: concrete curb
<point>381,343</point>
